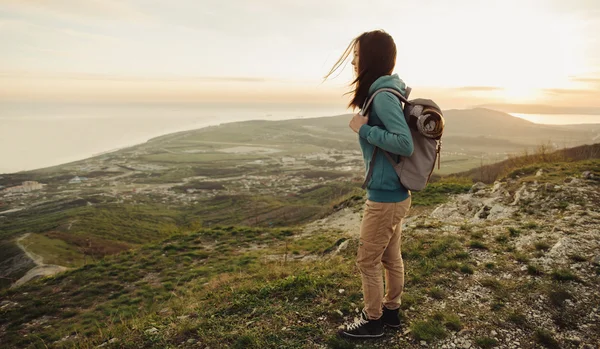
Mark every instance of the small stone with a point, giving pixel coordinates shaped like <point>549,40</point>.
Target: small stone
<point>152,330</point>
<point>284,328</point>
<point>539,173</point>
<point>423,343</point>
<point>182,317</point>
<point>339,312</point>
<point>165,311</point>
<point>191,341</point>
<point>477,187</point>
<point>494,333</point>
<point>341,290</point>
<point>113,340</point>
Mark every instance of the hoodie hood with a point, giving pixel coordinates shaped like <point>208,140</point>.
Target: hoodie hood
<point>389,81</point>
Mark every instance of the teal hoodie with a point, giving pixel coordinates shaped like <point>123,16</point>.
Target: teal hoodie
<point>387,129</point>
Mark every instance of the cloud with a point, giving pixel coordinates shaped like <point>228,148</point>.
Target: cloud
<point>103,77</point>
<point>479,88</point>
<point>96,9</point>
<point>543,109</point>
<point>593,79</point>
<point>566,91</point>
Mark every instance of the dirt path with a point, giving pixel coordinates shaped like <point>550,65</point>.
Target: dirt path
<point>40,268</point>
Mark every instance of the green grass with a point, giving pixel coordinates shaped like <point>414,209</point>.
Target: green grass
<point>534,270</point>
<point>478,245</point>
<point>207,267</point>
<point>530,225</point>
<point>514,232</point>
<point>54,251</point>
<point>438,192</point>
<point>546,339</point>
<point>542,246</point>
<point>521,257</point>
<point>564,275</point>
<point>517,318</point>
<point>437,293</point>
<point>578,258</point>
<point>486,342</point>
<point>466,269</point>
<point>209,272</point>
<point>428,330</point>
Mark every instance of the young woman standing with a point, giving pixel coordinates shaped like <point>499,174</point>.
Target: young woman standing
<point>388,201</point>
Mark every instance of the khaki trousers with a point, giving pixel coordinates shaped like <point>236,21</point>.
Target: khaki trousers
<point>380,243</point>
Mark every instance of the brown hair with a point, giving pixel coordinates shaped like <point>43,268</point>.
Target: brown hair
<point>376,58</point>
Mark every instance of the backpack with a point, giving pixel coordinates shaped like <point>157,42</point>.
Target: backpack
<point>426,123</point>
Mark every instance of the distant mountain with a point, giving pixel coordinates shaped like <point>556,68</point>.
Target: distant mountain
<point>477,131</point>
<point>491,123</point>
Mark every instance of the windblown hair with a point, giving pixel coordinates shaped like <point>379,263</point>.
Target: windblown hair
<point>376,58</point>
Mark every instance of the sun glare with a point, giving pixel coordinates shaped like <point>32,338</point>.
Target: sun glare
<point>533,51</point>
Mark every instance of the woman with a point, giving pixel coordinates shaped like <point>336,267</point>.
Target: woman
<point>388,201</point>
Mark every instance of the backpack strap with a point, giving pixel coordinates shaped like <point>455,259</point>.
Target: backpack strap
<point>369,101</point>
<point>363,112</point>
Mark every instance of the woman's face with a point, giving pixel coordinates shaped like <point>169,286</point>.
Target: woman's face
<point>355,58</point>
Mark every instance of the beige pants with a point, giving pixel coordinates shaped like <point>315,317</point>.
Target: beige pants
<point>380,242</point>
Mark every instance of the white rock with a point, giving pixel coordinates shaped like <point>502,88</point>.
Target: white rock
<point>152,330</point>
<point>341,290</point>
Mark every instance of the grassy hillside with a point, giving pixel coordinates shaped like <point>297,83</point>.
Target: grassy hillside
<point>542,156</point>
<point>479,282</point>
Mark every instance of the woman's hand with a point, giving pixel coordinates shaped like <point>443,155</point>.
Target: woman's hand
<point>357,121</point>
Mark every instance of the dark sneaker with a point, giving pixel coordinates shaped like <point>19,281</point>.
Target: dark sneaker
<point>363,328</point>
<point>390,317</point>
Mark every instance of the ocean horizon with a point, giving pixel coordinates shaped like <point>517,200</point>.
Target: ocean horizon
<point>36,135</point>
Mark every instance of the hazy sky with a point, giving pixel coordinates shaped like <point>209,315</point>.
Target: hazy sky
<point>460,52</point>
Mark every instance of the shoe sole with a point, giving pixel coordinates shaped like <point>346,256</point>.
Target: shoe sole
<point>362,336</point>
<point>393,326</point>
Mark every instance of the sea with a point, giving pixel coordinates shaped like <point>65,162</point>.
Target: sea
<point>38,135</point>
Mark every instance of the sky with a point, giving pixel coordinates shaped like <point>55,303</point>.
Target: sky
<point>461,53</point>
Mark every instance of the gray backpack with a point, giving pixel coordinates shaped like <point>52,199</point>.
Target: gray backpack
<point>426,123</point>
